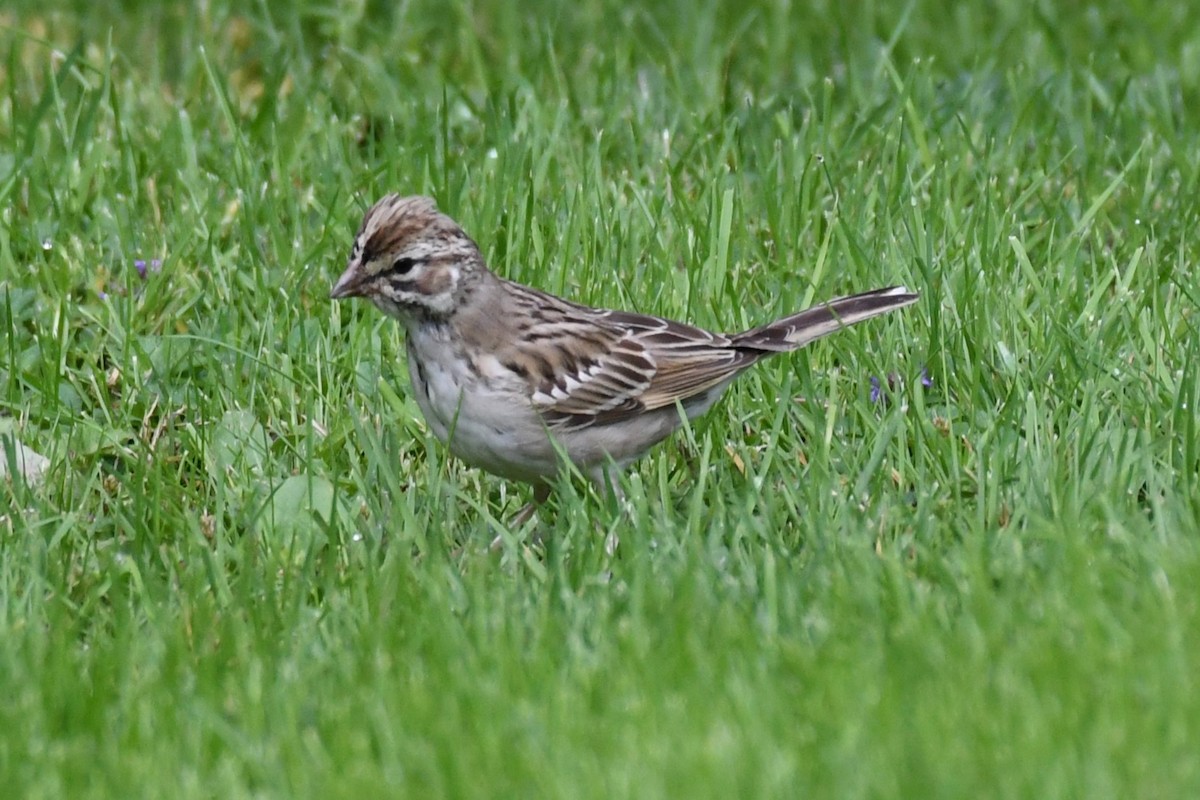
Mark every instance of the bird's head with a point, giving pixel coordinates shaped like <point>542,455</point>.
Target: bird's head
<point>409,259</point>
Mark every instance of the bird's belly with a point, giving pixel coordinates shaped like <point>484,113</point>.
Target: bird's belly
<point>508,444</point>
<point>484,426</point>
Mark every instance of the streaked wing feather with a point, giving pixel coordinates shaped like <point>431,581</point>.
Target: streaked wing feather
<point>690,360</point>
<point>641,363</point>
<point>679,379</point>
<point>600,381</point>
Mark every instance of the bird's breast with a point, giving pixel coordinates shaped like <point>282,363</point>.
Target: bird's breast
<point>477,408</point>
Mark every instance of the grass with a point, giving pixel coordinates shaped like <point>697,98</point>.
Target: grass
<point>250,571</point>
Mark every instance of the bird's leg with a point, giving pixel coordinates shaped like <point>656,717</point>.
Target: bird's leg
<point>541,493</point>
<point>606,481</point>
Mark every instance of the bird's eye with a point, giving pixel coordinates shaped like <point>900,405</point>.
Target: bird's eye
<point>404,265</point>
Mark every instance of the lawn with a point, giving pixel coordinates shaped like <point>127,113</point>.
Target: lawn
<point>250,570</point>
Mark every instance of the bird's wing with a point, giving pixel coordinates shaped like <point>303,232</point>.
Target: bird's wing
<point>690,360</point>
<point>587,366</point>
<point>597,367</point>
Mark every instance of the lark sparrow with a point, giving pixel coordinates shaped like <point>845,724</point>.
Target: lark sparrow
<point>503,373</point>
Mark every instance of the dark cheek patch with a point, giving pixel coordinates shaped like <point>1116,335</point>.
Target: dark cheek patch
<point>433,282</point>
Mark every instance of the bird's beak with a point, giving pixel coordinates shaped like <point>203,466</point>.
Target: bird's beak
<point>350,284</point>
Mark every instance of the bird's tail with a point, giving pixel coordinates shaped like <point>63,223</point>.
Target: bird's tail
<point>792,333</point>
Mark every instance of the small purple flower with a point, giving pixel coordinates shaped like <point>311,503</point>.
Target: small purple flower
<point>143,267</point>
<point>880,390</point>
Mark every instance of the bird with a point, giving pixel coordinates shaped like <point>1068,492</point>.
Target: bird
<point>513,379</point>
